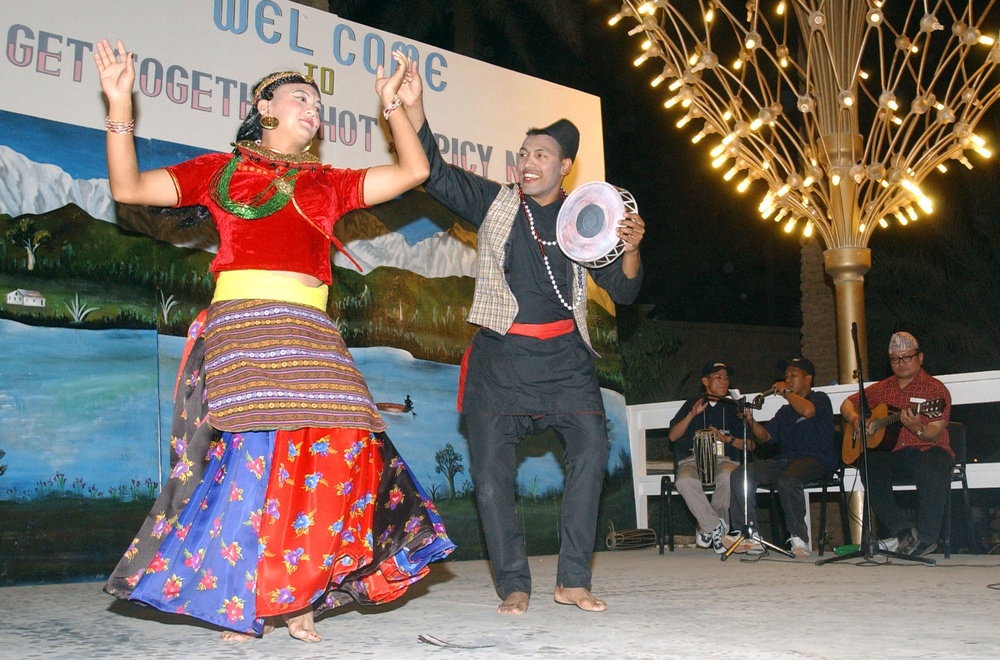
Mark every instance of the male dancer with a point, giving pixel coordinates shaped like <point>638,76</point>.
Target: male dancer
<point>529,367</point>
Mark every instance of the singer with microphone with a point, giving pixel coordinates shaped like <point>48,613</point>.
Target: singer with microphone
<point>707,414</point>
<point>803,429</point>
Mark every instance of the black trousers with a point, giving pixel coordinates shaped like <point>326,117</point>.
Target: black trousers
<point>789,475</point>
<point>493,440</point>
<point>929,471</point>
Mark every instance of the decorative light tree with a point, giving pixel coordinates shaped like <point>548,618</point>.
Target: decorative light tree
<point>841,109</point>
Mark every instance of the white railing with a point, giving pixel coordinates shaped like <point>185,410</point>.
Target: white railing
<point>967,388</point>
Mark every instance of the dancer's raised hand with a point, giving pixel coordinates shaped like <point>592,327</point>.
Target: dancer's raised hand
<point>387,86</point>
<point>117,70</point>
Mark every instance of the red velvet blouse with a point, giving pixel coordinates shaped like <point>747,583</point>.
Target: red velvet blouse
<point>284,240</point>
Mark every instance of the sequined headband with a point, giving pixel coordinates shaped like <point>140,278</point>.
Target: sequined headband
<point>283,76</point>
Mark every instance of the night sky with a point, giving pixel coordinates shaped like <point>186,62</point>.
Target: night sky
<point>707,254</point>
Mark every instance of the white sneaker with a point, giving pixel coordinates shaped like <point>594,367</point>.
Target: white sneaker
<point>799,547</point>
<point>889,545</point>
<point>702,540</point>
<point>717,534</point>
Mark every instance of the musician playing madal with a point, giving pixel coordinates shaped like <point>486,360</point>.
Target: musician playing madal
<point>922,451</point>
<point>708,420</point>
<point>530,365</point>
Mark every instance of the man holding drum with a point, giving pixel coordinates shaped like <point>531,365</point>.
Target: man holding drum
<point>530,366</point>
<point>706,418</point>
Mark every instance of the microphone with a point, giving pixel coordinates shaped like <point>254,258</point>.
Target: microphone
<point>758,400</point>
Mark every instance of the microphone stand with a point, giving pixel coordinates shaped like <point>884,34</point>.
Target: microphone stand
<point>869,546</point>
<point>747,531</point>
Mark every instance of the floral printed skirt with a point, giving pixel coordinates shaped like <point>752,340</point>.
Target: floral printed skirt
<point>263,523</point>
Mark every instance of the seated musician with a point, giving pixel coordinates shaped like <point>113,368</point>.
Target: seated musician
<point>710,419</point>
<point>922,452</point>
<point>803,430</point>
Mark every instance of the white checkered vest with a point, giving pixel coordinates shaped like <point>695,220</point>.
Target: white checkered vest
<point>493,303</point>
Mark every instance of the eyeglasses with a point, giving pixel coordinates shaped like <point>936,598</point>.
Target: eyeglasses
<point>904,359</point>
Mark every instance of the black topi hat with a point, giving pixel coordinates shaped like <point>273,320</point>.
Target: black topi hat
<point>565,133</point>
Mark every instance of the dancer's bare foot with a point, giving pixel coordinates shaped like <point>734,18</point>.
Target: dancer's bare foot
<point>234,637</point>
<point>515,603</point>
<point>301,627</point>
<point>580,597</point>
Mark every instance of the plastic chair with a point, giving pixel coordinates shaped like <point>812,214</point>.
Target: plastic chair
<point>666,515</point>
<point>666,529</point>
<point>956,434</point>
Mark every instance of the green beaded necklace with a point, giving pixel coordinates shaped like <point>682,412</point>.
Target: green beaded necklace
<point>283,188</point>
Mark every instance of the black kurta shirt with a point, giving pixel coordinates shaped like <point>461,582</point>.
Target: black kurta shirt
<point>513,374</point>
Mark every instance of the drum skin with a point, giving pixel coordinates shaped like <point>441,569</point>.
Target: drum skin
<point>588,220</point>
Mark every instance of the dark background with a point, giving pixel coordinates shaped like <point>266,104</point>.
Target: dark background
<point>708,256</point>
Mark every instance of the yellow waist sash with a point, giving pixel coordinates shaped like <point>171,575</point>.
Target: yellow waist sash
<point>265,285</point>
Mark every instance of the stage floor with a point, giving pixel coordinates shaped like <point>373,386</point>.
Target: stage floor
<point>680,605</point>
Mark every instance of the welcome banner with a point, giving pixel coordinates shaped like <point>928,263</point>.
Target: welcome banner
<point>95,297</point>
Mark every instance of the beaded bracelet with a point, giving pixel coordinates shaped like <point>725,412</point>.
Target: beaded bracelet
<point>120,127</point>
<point>392,106</point>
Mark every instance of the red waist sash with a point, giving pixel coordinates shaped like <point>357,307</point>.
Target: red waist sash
<point>536,330</point>
<point>543,330</point>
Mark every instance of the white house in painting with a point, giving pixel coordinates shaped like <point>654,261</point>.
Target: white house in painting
<point>25,298</point>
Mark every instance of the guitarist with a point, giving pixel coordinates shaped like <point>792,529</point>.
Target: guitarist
<point>922,453</point>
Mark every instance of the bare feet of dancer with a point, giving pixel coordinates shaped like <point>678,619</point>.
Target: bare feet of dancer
<point>234,637</point>
<point>515,603</point>
<point>301,627</point>
<point>580,597</point>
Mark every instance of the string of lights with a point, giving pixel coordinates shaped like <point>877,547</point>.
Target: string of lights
<point>841,109</point>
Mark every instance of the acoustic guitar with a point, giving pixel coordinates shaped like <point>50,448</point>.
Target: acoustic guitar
<point>884,428</point>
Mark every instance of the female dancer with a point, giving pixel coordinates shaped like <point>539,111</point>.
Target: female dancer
<point>285,496</point>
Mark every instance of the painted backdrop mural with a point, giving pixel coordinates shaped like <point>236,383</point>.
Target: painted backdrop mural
<point>95,298</point>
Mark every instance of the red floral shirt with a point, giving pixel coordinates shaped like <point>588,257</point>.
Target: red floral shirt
<point>923,387</point>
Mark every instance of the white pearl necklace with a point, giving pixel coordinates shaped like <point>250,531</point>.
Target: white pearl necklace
<point>545,257</point>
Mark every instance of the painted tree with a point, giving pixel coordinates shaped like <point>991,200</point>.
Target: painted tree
<point>25,234</point>
<point>449,463</point>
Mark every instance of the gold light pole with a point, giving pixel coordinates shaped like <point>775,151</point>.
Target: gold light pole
<point>841,108</point>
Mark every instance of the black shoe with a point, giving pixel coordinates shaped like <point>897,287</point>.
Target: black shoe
<point>907,542</point>
<point>921,549</point>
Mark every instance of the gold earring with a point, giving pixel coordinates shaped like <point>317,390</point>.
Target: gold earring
<point>268,122</point>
